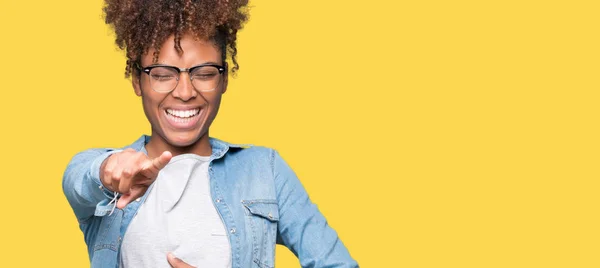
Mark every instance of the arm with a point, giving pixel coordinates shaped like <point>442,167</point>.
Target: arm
<point>302,228</point>
<point>82,187</point>
<point>128,172</point>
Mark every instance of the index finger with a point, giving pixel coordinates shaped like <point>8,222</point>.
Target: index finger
<point>176,262</point>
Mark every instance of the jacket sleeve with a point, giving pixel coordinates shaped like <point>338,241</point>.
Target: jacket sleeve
<point>82,187</point>
<point>302,228</point>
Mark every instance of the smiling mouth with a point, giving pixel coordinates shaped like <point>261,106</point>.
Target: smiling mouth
<point>182,116</point>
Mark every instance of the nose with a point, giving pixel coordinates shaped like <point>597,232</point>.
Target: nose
<point>184,89</point>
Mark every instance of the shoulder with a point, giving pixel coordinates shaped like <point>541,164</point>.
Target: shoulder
<point>136,145</point>
<point>246,153</point>
<point>92,153</point>
<point>240,150</point>
<point>260,155</point>
<point>253,151</point>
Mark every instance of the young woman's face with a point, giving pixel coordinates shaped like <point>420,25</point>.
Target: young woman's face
<point>180,118</point>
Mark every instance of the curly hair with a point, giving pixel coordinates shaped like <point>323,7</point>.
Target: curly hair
<point>140,25</point>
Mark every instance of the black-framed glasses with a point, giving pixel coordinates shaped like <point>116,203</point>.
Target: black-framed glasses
<point>164,78</point>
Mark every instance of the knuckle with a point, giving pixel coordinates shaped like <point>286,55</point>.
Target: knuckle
<point>156,164</point>
<point>107,174</point>
<point>108,170</point>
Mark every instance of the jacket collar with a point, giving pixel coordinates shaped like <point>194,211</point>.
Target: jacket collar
<point>219,147</point>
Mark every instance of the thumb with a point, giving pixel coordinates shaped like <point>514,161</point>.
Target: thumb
<point>152,167</point>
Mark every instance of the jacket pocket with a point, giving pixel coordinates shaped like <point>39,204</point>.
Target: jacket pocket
<point>263,215</point>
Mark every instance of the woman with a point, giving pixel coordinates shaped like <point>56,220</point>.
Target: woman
<point>180,197</point>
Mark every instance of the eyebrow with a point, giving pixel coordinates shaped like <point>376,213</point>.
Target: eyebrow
<point>167,65</point>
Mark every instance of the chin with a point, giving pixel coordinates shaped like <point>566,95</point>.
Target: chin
<point>183,140</point>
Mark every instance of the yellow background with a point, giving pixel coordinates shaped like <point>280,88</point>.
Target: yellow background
<point>430,133</point>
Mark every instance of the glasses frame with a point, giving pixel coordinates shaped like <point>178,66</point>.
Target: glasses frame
<point>147,70</point>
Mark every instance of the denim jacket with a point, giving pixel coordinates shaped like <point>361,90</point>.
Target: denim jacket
<point>258,196</point>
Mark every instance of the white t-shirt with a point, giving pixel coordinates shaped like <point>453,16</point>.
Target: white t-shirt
<point>178,216</point>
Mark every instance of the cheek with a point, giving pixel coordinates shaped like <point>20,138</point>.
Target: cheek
<point>151,106</point>
<point>215,103</point>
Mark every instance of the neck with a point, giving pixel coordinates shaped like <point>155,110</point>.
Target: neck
<point>157,145</point>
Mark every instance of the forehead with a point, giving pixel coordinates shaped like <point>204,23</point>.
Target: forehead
<point>195,51</point>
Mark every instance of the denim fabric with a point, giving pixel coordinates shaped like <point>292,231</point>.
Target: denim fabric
<point>258,196</point>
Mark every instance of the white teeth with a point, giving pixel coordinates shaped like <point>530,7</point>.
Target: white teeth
<point>183,113</point>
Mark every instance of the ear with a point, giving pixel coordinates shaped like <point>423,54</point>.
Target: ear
<point>135,81</point>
